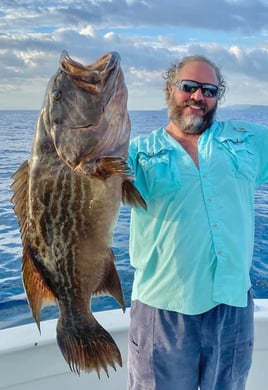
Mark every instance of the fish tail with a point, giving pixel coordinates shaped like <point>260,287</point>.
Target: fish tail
<point>88,349</point>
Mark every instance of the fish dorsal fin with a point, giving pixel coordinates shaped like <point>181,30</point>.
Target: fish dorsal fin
<point>37,291</point>
<point>20,195</point>
<point>131,196</point>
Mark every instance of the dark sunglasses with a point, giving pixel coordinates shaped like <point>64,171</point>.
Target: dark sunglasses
<point>190,86</point>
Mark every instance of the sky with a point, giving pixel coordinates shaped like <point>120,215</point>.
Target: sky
<point>149,35</point>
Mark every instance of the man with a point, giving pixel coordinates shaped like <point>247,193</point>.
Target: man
<point>192,308</point>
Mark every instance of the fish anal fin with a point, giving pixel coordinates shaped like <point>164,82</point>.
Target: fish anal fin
<point>131,196</point>
<point>38,293</point>
<point>110,283</point>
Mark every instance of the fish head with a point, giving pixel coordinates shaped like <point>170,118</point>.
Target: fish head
<point>86,110</point>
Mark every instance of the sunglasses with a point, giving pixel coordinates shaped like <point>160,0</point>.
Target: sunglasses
<point>190,86</point>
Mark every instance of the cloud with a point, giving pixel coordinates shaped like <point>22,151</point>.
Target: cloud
<point>216,14</point>
<point>149,35</point>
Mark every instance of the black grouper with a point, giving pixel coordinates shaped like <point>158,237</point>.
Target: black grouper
<point>67,199</point>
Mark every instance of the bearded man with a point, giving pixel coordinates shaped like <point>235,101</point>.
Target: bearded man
<point>192,306</point>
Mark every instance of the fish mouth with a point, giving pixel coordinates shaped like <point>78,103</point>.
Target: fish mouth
<point>95,76</point>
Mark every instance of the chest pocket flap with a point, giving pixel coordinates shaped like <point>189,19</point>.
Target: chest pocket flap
<point>239,152</point>
<point>159,174</point>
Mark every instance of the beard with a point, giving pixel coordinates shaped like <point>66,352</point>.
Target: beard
<point>191,124</point>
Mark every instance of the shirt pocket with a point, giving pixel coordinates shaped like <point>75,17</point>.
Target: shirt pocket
<point>239,157</point>
<point>242,359</point>
<point>160,174</point>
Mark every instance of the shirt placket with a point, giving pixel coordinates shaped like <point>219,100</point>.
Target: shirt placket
<point>209,197</point>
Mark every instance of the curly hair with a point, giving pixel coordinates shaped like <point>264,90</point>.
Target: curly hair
<point>171,73</point>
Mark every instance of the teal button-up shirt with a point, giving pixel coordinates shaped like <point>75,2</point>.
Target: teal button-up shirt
<point>192,249</point>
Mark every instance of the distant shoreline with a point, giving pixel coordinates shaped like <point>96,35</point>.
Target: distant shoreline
<point>251,107</point>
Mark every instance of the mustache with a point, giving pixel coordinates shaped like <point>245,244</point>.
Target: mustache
<point>198,103</point>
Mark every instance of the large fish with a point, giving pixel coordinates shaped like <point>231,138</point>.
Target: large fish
<point>67,199</point>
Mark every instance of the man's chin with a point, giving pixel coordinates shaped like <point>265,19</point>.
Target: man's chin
<point>192,124</point>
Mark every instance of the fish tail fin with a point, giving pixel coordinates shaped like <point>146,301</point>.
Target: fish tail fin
<point>89,348</point>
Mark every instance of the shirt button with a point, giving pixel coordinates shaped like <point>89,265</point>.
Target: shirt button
<point>214,226</point>
<point>209,200</point>
<point>219,252</point>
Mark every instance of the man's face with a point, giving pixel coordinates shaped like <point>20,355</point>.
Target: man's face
<point>192,111</point>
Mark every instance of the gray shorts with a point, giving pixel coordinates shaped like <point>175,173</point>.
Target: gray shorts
<point>172,351</point>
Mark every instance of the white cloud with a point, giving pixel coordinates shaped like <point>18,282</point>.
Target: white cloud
<point>149,36</point>
<point>88,31</point>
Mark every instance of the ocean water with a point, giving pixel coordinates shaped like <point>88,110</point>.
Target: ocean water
<point>16,134</point>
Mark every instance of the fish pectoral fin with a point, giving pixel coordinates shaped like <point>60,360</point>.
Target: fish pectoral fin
<point>131,196</point>
<point>38,293</point>
<point>110,283</point>
<point>107,166</point>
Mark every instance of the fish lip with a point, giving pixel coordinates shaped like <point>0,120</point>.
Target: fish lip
<point>102,67</point>
<point>108,58</point>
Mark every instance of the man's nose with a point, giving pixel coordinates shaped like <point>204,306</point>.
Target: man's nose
<point>197,95</point>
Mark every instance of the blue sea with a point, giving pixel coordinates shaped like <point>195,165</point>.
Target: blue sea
<point>16,134</point>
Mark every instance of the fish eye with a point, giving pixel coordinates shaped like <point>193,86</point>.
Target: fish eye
<point>57,121</point>
<point>56,95</point>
